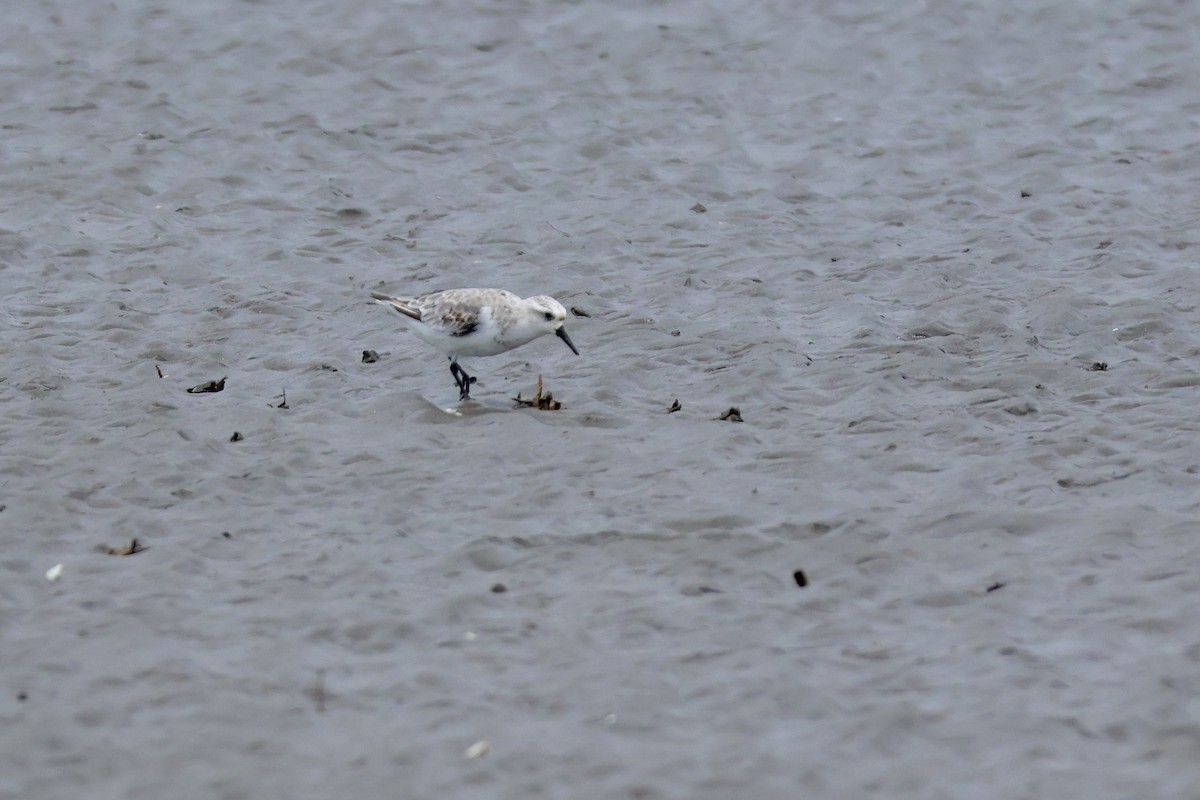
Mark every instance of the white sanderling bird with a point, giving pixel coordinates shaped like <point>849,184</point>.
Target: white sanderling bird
<point>478,322</point>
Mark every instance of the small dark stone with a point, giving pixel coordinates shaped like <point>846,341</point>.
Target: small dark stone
<point>996,586</point>
<point>227,534</point>
<point>237,437</point>
<point>579,312</point>
<point>674,407</point>
<point>708,590</point>
<point>698,208</point>
<point>1025,193</point>
<point>499,588</point>
<point>675,333</point>
<point>732,415</point>
<point>800,578</point>
<point>370,357</point>
<point>22,696</point>
<point>1098,366</point>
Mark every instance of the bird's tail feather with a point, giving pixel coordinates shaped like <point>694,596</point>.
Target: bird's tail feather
<point>400,304</point>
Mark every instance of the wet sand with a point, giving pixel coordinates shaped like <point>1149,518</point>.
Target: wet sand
<point>940,256</point>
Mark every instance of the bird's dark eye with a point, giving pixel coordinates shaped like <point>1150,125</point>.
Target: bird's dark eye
<point>549,316</point>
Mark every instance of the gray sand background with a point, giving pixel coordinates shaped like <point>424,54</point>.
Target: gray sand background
<point>925,222</point>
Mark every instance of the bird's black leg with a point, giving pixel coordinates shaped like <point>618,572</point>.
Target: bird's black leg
<point>463,380</point>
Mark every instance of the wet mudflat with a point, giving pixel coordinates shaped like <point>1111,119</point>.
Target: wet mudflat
<point>936,262</point>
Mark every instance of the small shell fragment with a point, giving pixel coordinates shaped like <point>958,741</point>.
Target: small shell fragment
<point>478,750</point>
<point>54,573</point>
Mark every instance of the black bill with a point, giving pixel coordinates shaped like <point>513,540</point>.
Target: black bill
<point>562,334</point>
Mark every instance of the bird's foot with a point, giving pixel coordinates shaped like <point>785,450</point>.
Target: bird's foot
<point>463,380</point>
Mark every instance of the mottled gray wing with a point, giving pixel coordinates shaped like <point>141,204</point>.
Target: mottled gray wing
<point>446,312</point>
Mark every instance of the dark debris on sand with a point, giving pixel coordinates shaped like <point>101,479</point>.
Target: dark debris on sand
<point>541,401</point>
<point>211,386</point>
<point>134,547</point>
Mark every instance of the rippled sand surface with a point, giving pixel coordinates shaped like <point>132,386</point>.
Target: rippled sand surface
<point>940,255</point>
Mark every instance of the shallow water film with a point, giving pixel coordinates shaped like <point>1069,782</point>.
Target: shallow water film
<point>876,475</point>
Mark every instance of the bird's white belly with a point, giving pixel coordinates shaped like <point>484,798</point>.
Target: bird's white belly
<point>484,341</point>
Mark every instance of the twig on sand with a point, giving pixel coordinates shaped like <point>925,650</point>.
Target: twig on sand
<point>133,547</point>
